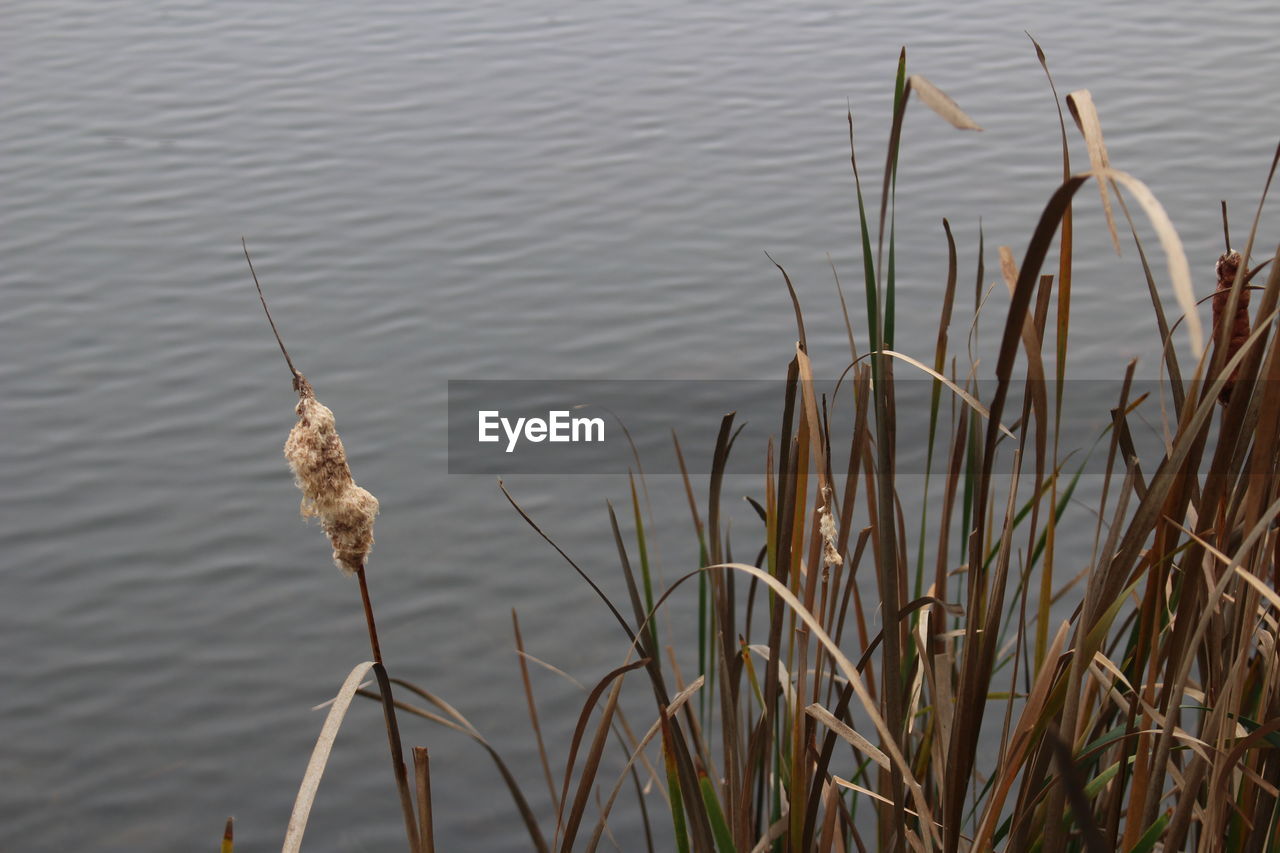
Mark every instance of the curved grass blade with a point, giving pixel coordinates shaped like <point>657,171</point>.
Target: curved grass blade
<point>591,764</point>
<point>1085,113</point>
<point>533,710</point>
<point>941,103</point>
<point>320,758</point>
<point>969,400</point>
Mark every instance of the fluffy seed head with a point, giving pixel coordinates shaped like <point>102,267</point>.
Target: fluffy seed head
<point>319,464</point>
<point>1227,267</point>
<point>827,528</point>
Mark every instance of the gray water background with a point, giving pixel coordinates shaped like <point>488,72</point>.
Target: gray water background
<point>483,191</point>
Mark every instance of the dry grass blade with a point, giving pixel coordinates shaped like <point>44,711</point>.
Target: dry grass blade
<point>533,710</point>
<point>845,783</point>
<point>320,758</point>
<point>776,831</point>
<point>1082,108</point>
<point>941,103</point>
<point>844,311</point>
<point>1032,329</point>
<point>969,400</point>
<point>795,302</point>
<point>847,734</point>
<point>592,763</point>
<point>1175,255</point>
<point>1261,586</point>
<point>1028,277</point>
<point>581,573</point>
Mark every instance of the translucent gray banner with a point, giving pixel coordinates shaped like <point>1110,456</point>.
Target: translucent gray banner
<point>511,427</point>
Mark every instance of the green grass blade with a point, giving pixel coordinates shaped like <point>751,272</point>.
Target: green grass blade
<point>720,829</point>
<point>1147,842</point>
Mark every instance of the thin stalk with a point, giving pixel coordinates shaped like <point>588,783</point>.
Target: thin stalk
<point>374,647</point>
<point>398,768</point>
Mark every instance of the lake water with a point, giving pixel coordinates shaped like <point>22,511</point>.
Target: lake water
<point>491,191</point>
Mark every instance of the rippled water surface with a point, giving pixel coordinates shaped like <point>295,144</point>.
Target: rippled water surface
<point>576,191</point>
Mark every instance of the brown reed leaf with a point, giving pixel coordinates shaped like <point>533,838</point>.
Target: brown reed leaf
<point>1083,110</point>
<point>940,102</point>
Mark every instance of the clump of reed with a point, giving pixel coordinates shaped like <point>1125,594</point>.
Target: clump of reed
<point>976,717</point>
<point>1148,719</point>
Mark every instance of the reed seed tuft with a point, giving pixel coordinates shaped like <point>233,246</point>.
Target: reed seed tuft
<point>319,464</point>
<point>827,528</point>
<point>1227,267</point>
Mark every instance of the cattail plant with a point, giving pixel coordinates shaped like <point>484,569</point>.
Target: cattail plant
<point>318,461</point>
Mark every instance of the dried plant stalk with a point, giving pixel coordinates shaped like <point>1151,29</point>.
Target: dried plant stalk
<point>346,511</point>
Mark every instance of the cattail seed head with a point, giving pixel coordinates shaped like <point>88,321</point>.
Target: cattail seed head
<point>319,464</point>
<point>827,529</point>
<point>1227,267</point>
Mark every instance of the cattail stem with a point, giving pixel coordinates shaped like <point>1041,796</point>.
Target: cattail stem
<point>398,768</point>
<point>368,617</point>
<point>389,714</point>
<point>397,758</point>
